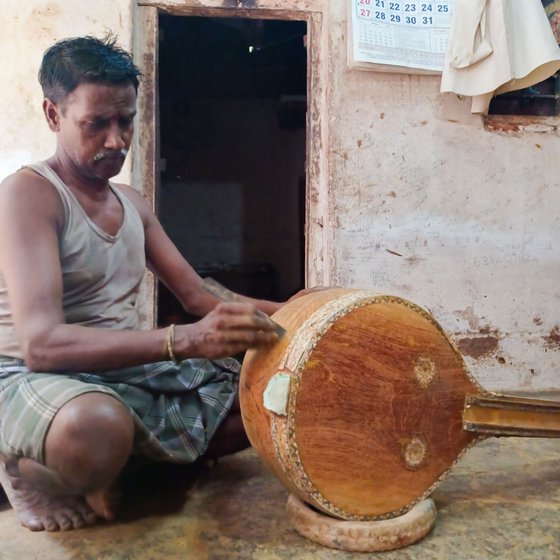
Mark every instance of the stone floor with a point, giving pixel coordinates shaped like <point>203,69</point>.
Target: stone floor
<point>502,500</point>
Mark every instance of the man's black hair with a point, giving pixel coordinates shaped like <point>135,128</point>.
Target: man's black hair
<point>71,62</point>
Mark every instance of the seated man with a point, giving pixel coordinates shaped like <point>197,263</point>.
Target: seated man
<point>82,389</point>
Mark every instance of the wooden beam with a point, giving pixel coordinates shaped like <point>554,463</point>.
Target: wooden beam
<point>305,6</point>
<point>145,147</point>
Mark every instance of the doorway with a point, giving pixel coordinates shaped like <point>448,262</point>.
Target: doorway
<point>232,103</point>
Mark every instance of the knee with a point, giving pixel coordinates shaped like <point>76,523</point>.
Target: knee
<point>90,440</point>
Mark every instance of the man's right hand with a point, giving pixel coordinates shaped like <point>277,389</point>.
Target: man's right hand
<point>228,329</point>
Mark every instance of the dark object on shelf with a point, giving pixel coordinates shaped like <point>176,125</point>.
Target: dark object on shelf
<point>542,99</point>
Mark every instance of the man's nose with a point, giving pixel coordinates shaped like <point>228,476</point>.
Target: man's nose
<point>115,139</point>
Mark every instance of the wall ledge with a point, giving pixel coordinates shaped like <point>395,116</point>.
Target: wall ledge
<point>517,124</point>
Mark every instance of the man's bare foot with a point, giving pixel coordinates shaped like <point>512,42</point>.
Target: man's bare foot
<point>39,511</point>
<point>105,503</point>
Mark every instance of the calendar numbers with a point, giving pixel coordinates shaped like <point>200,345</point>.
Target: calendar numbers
<point>420,14</point>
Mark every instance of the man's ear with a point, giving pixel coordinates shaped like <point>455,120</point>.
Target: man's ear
<point>52,112</point>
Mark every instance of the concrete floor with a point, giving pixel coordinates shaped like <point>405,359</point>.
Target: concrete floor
<point>502,500</point>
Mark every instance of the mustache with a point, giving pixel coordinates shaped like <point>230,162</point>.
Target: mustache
<point>106,154</point>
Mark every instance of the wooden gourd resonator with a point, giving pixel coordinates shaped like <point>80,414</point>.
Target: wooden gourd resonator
<point>365,404</point>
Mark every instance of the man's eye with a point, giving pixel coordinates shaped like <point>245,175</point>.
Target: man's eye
<point>95,125</point>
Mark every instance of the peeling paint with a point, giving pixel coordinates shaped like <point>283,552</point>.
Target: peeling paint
<point>478,347</point>
<point>553,339</point>
<point>469,316</point>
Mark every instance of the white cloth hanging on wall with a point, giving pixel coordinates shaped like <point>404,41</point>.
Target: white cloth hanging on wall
<point>497,46</point>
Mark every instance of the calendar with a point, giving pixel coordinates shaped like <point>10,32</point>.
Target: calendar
<point>404,35</point>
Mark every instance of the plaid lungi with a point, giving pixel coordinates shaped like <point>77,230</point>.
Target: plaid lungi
<point>176,408</point>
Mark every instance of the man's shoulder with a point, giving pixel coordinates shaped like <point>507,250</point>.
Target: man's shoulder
<point>126,189</point>
<point>31,191</point>
<point>24,177</point>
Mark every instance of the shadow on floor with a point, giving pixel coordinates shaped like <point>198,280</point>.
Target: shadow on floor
<point>157,489</point>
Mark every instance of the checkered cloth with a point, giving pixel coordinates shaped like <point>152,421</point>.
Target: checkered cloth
<point>176,408</point>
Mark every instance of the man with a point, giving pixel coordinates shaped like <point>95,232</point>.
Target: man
<point>73,251</point>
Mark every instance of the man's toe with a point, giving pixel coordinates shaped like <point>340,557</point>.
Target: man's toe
<point>51,524</point>
<point>64,521</point>
<point>33,524</point>
<point>77,520</point>
<point>88,515</point>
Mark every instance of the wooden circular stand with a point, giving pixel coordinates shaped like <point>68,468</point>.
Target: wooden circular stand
<point>362,536</point>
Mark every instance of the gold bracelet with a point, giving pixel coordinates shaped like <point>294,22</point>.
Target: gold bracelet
<point>169,343</point>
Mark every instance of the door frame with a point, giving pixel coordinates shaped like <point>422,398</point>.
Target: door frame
<point>146,149</point>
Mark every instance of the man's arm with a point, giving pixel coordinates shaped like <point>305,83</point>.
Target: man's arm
<point>31,219</point>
